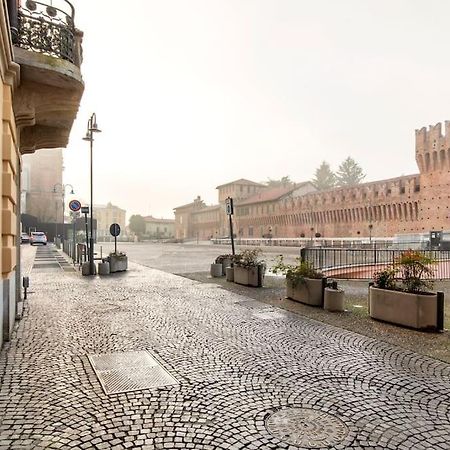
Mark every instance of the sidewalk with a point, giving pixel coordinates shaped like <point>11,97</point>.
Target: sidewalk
<point>248,375</point>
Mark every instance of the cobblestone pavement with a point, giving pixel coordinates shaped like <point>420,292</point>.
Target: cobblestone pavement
<point>238,361</point>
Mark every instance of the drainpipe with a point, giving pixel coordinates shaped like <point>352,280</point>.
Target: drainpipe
<point>13,19</point>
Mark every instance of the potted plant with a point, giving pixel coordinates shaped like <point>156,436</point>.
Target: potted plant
<point>304,283</point>
<point>249,269</point>
<point>401,293</point>
<point>118,262</point>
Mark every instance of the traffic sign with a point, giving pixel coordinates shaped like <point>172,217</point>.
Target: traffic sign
<point>74,205</point>
<point>114,229</point>
<point>85,210</point>
<point>229,206</point>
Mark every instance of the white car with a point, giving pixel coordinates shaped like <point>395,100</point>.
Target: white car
<point>38,237</point>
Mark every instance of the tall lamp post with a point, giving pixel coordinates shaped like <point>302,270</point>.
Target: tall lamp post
<point>63,193</point>
<point>91,129</point>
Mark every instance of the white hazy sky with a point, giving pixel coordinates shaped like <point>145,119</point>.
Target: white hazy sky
<point>193,94</point>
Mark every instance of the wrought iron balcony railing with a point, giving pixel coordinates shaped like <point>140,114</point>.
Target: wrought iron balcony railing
<point>48,28</point>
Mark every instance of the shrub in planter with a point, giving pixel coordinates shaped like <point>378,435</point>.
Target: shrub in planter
<point>400,294</point>
<point>303,282</point>
<point>249,269</point>
<point>118,262</point>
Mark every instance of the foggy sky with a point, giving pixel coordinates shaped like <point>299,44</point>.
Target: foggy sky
<point>193,94</point>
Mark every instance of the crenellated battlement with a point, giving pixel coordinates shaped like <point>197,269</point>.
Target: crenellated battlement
<point>433,148</point>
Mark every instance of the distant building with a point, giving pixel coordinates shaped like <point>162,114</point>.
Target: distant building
<point>416,203</point>
<point>159,228</point>
<point>107,215</point>
<point>42,185</point>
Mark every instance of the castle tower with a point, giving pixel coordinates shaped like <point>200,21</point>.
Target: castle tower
<point>433,159</point>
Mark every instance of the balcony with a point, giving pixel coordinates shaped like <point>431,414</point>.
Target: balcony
<point>47,46</point>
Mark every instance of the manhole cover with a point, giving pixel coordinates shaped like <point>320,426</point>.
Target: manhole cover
<point>129,371</point>
<point>306,427</point>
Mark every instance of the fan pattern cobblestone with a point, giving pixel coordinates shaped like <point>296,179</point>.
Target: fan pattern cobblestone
<point>236,361</point>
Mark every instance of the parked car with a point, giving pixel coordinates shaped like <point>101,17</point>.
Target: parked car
<point>24,238</point>
<point>38,237</point>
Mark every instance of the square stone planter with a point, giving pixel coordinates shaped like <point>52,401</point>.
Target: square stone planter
<point>417,311</point>
<point>249,276</point>
<point>117,263</point>
<point>310,292</point>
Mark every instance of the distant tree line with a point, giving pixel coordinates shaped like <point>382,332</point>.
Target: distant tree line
<point>349,173</point>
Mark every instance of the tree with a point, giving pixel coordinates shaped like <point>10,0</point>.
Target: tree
<point>137,224</point>
<point>284,181</point>
<point>324,177</point>
<point>349,173</point>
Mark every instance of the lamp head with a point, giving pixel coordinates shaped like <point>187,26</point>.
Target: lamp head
<point>88,136</point>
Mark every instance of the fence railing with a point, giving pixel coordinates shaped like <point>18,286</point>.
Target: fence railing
<point>352,263</point>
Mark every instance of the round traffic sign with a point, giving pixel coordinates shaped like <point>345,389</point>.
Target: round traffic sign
<point>74,205</point>
<point>114,229</point>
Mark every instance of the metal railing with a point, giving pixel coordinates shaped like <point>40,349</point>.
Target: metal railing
<point>361,263</point>
<point>45,28</point>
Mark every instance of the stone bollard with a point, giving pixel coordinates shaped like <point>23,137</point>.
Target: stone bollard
<point>103,268</point>
<point>85,269</point>
<point>216,270</point>
<point>230,273</point>
<point>226,263</point>
<point>333,300</point>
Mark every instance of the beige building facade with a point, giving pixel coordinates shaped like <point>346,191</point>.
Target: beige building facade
<point>41,88</point>
<point>159,228</point>
<point>106,215</point>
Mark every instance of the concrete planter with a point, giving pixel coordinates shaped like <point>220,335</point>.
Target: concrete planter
<point>417,311</point>
<point>249,276</point>
<point>216,270</point>
<point>103,268</point>
<point>118,263</point>
<point>226,263</point>
<point>333,300</point>
<point>310,292</point>
<point>230,273</point>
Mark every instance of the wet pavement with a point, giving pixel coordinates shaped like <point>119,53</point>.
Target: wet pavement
<point>241,374</point>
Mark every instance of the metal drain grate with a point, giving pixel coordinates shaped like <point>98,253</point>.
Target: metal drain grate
<point>130,371</point>
<point>307,428</point>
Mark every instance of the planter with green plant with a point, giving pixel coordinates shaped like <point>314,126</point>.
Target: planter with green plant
<point>401,293</point>
<point>249,268</point>
<point>118,262</point>
<point>304,283</point>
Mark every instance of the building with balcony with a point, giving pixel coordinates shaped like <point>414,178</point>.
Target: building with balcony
<point>41,89</point>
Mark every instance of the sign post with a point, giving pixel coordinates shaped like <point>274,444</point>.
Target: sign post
<point>85,211</point>
<point>74,206</point>
<point>114,229</point>
<point>230,210</point>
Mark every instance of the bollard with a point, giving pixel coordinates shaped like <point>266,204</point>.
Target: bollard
<point>440,312</point>
<point>26,285</point>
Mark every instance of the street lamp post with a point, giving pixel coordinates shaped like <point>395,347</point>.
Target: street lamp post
<point>91,129</point>
<point>63,193</point>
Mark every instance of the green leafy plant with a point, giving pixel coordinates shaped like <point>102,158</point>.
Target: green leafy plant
<point>409,273</point>
<point>221,258</point>
<point>413,268</point>
<point>249,258</point>
<point>119,255</point>
<point>296,273</point>
<point>385,279</point>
